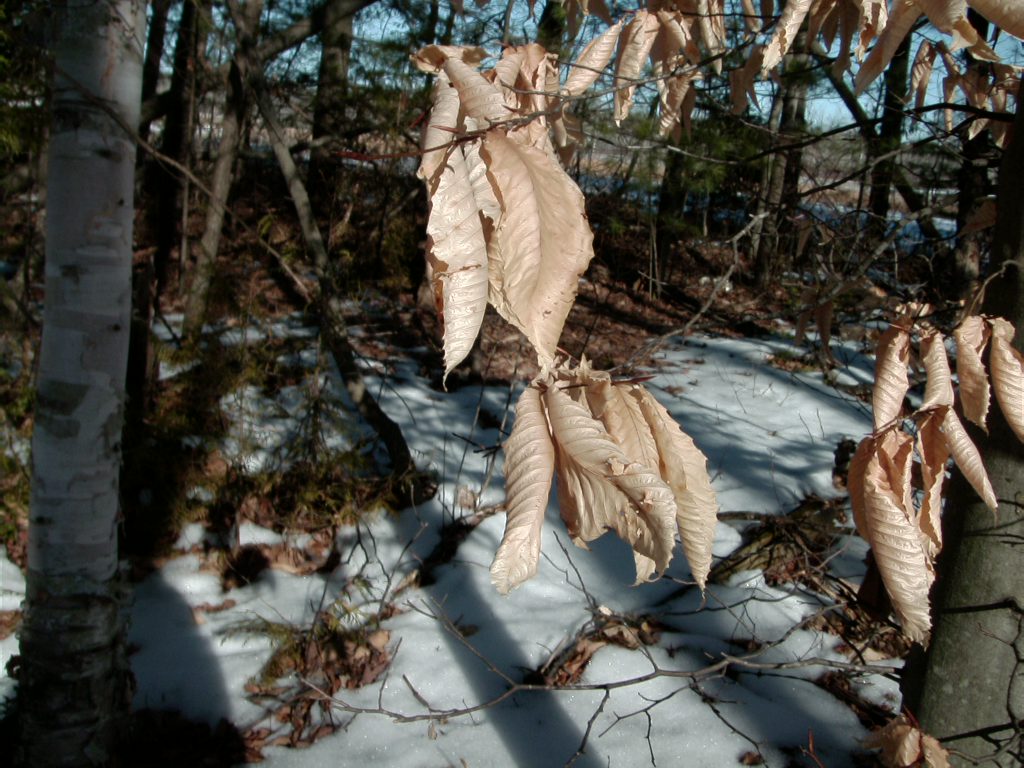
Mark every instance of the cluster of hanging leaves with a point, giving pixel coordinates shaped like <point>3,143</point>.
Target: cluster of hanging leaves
<point>902,527</point>
<point>507,227</point>
<point>904,745</point>
<point>622,464</point>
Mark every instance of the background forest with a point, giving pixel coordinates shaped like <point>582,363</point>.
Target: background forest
<point>267,536</point>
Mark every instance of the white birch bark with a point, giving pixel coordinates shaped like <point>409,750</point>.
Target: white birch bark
<point>72,683</point>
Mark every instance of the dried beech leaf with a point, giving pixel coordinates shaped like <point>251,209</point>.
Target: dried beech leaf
<point>591,63</point>
<point>673,100</point>
<point>1008,15</point>
<point>904,745</point>
<point>676,35</point>
<point>938,390</point>
<point>967,457</point>
<point>481,99</point>
<point>891,381</point>
<point>684,467</point>
<point>620,413</point>
<point>785,32</point>
<point>972,337</point>
<point>529,466</point>
<point>855,482</point>
<point>921,72</point>
<point>1007,374</point>
<point>457,254</point>
<point>901,18</point>
<point>437,141</point>
<point>431,58</point>
<point>634,45</point>
<point>542,243</point>
<point>601,489</point>
<point>934,453</point>
<point>896,540</point>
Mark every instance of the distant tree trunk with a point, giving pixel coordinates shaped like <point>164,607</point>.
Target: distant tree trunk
<point>330,105</point>
<point>669,226</point>
<point>890,132</point>
<point>786,165</point>
<point>154,52</point>
<point>968,689</point>
<point>235,108</point>
<point>73,684</point>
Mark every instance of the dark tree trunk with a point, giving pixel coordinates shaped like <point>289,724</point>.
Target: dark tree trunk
<point>235,108</point>
<point>890,133</point>
<point>154,52</point>
<point>782,191</point>
<point>968,689</point>
<point>330,106</point>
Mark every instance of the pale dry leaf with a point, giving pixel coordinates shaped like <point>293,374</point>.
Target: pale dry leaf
<point>438,138</point>
<point>431,58</point>
<point>971,337</point>
<point>785,32</point>
<point>967,457</point>
<point>457,253</point>
<point>938,390</point>
<point>895,539</point>
<point>634,45</point>
<point>751,19</point>
<point>612,405</point>
<point>921,72</point>
<point>481,99</point>
<point>684,467</point>
<point>591,63</point>
<point>822,13</point>
<point>672,99</point>
<point>529,468</point>
<point>542,243</point>
<point>1007,374</point>
<point>506,74</point>
<point>855,482</point>
<point>934,454</point>
<point>901,18</point>
<point>1008,15</point>
<point>944,14</point>
<point>891,381</point>
<point>904,745</point>
<point>601,489</point>
<point>676,34</point>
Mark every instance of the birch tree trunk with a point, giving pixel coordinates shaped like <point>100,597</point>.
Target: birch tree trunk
<point>73,677</point>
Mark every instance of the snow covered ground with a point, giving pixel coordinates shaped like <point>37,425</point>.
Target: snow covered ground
<point>726,679</point>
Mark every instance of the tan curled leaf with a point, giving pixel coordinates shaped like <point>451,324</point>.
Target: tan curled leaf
<point>751,19</point>
<point>967,457</point>
<point>634,45</point>
<point>591,63</point>
<point>944,14</point>
<point>821,15</point>
<point>1008,15</point>
<point>505,75</point>
<point>742,80</point>
<point>542,243</point>
<point>921,72</point>
<point>972,337</point>
<point>439,133</point>
<point>855,482</point>
<point>934,453</point>
<point>901,18</point>
<point>620,413</point>
<point>1007,374</point>
<point>891,382</point>
<point>600,488</point>
<point>481,99</point>
<point>684,467</point>
<point>457,254</point>
<point>938,391</point>
<point>431,58</point>
<point>672,99</point>
<point>676,34</point>
<point>904,745</point>
<point>895,540</point>
<point>529,467</point>
<point>785,32</point>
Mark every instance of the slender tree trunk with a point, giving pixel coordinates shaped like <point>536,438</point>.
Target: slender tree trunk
<point>235,108</point>
<point>154,52</point>
<point>890,134</point>
<point>968,690</point>
<point>73,683</point>
<point>330,106</point>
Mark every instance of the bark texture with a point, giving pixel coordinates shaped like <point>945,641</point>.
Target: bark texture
<point>968,690</point>
<point>73,677</point>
